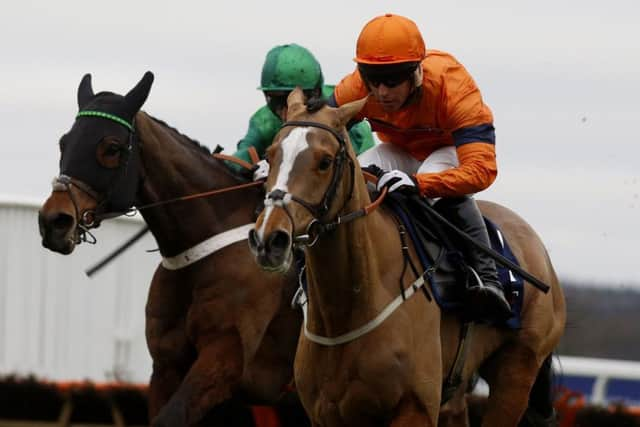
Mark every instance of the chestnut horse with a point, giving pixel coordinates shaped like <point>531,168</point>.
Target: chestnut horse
<point>216,328</point>
<point>359,362</point>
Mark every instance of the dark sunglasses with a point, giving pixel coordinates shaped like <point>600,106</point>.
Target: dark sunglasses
<point>389,81</point>
<point>388,75</point>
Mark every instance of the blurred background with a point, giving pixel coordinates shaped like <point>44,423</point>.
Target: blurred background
<point>560,77</point>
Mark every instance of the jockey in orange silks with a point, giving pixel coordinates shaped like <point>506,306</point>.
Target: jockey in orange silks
<point>438,134</point>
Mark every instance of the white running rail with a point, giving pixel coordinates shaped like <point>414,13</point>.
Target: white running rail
<point>601,370</point>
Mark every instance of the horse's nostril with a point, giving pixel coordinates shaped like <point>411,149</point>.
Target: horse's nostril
<point>254,241</point>
<point>279,240</point>
<point>61,221</point>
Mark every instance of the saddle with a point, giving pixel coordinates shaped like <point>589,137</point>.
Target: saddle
<point>443,264</point>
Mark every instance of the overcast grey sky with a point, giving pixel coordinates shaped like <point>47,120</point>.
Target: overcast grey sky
<point>563,80</point>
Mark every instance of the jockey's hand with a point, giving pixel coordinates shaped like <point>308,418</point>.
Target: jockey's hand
<point>396,180</point>
<point>261,170</point>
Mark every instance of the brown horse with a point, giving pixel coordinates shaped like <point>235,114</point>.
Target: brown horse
<point>216,328</point>
<point>352,366</point>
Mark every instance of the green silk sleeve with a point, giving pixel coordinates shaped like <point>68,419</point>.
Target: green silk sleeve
<point>263,126</point>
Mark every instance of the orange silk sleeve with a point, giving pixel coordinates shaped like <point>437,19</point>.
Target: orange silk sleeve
<point>470,121</point>
<point>476,171</point>
<point>463,102</point>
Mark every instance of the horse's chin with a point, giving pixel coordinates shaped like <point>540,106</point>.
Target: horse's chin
<point>63,246</point>
<point>61,249</point>
<point>275,264</point>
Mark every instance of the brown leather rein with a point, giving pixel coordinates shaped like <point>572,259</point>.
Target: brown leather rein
<point>209,193</point>
<point>244,164</point>
<point>368,176</point>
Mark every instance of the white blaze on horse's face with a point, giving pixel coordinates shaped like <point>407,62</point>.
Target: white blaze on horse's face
<point>292,145</point>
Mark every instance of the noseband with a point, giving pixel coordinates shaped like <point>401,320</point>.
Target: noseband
<point>85,220</point>
<point>318,211</point>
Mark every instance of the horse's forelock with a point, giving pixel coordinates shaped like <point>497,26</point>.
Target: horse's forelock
<point>316,104</point>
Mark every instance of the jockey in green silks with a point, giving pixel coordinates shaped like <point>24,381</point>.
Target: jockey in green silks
<point>286,67</point>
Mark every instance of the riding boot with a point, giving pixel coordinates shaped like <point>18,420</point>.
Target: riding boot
<point>484,293</point>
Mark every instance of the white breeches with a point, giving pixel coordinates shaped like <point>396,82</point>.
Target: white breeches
<point>389,157</point>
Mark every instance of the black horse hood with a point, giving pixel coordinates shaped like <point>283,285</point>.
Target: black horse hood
<point>101,116</point>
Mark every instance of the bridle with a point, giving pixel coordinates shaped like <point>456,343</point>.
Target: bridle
<point>85,220</point>
<point>318,211</point>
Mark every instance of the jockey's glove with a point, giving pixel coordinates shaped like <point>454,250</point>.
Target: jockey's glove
<point>261,170</point>
<point>396,180</point>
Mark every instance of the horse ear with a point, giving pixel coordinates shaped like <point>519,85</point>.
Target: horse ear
<point>349,110</point>
<point>295,102</point>
<point>85,91</point>
<point>138,95</point>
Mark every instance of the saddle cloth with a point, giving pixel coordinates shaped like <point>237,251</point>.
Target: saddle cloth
<point>444,264</point>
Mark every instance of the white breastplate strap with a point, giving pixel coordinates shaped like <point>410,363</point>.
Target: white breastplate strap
<point>366,328</point>
<point>206,248</point>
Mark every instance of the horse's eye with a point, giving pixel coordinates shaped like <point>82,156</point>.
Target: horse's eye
<point>325,163</point>
<point>112,150</point>
<point>109,153</point>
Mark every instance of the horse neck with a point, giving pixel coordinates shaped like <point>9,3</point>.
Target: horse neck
<point>173,166</point>
<point>342,274</point>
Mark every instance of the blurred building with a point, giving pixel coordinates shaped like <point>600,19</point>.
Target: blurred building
<point>57,323</point>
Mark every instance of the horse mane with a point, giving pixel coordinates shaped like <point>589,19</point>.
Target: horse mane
<point>313,105</point>
<point>187,138</point>
<point>235,174</point>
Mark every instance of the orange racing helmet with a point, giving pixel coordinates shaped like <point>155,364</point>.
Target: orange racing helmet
<point>390,39</point>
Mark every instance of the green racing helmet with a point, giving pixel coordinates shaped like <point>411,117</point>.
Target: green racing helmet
<point>288,66</point>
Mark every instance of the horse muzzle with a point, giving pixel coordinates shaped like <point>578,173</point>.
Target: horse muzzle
<point>58,231</point>
<point>274,253</point>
